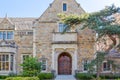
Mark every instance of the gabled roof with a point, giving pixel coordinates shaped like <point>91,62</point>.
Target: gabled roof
<point>6,20</point>
<point>20,23</point>
<point>6,24</point>
<point>50,15</point>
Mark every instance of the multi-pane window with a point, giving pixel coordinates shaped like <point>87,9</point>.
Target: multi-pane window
<point>6,62</point>
<point>64,7</point>
<point>22,33</point>
<point>30,33</point>
<point>9,35</point>
<point>1,35</point>
<point>85,65</point>
<point>24,57</point>
<point>106,66</point>
<point>6,35</point>
<point>62,27</point>
<point>44,65</point>
<point>12,61</point>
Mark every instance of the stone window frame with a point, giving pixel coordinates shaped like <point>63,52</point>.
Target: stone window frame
<point>9,61</point>
<point>43,58</point>
<point>6,34</point>
<point>30,33</point>
<point>105,71</point>
<point>21,68</point>
<point>24,54</point>
<point>83,61</point>
<point>24,33</point>
<point>83,64</point>
<point>63,27</point>
<point>44,64</point>
<point>64,7</point>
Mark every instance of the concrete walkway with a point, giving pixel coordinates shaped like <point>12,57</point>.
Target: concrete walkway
<point>65,77</point>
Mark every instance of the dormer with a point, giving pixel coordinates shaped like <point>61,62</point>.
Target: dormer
<point>6,29</point>
<point>6,24</point>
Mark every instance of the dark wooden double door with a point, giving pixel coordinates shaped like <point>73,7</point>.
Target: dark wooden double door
<point>64,64</point>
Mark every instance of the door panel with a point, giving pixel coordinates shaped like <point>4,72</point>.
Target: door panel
<point>64,65</point>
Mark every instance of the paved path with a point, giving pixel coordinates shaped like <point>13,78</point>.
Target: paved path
<point>65,77</point>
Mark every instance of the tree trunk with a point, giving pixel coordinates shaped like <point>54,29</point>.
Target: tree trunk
<point>114,42</point>
<point>98,73</point>
<point>113,39</point>
<point>99,66</point>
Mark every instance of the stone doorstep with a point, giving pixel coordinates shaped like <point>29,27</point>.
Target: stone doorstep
<point>65,77</point>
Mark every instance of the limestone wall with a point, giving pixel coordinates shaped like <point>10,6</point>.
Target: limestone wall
<point>25,46</point>
<point>43,41</point>
<point>86,46</point>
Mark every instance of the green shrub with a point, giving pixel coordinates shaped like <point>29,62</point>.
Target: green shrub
<point>84,76</point>
<point>31,67</point>
<point>22,78</point>
<point>110,76</point>
<point>14,78</point>
<point>3,76</point>
<point>88,76</point>
<point>43,76</point>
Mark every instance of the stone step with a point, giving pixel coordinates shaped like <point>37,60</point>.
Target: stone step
<point>65,77</point>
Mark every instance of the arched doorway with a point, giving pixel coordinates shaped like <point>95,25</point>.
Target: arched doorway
<point>64,64</point>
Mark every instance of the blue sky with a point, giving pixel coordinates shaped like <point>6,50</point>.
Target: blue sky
<point>34,8</point>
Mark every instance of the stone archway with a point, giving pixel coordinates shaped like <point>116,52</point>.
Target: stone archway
<point>64,64</point>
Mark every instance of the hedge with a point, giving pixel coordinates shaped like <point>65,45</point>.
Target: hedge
<point>22,78</point>
<point>43,76</point>
<point>84,76</point>
<point>87,76</point>
<point>3,77</point>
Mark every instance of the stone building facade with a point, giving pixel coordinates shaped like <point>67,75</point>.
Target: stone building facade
<point>42,38</point>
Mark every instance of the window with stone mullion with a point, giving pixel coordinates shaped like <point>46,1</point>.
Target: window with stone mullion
<point>85,65</point>
<point>6,62</point>
<point>44,65</point>
<point>106,66</point>
<point>25,56</point>
<point>1,35</point>
<point>11,62</point>
<point>6,35</point>
<point>62,27</point>
<point>9,35</point>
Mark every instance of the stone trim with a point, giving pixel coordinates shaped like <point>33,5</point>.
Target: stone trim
<point>58,49</point>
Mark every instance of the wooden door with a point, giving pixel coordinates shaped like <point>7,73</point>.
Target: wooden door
<point>64,64</point>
